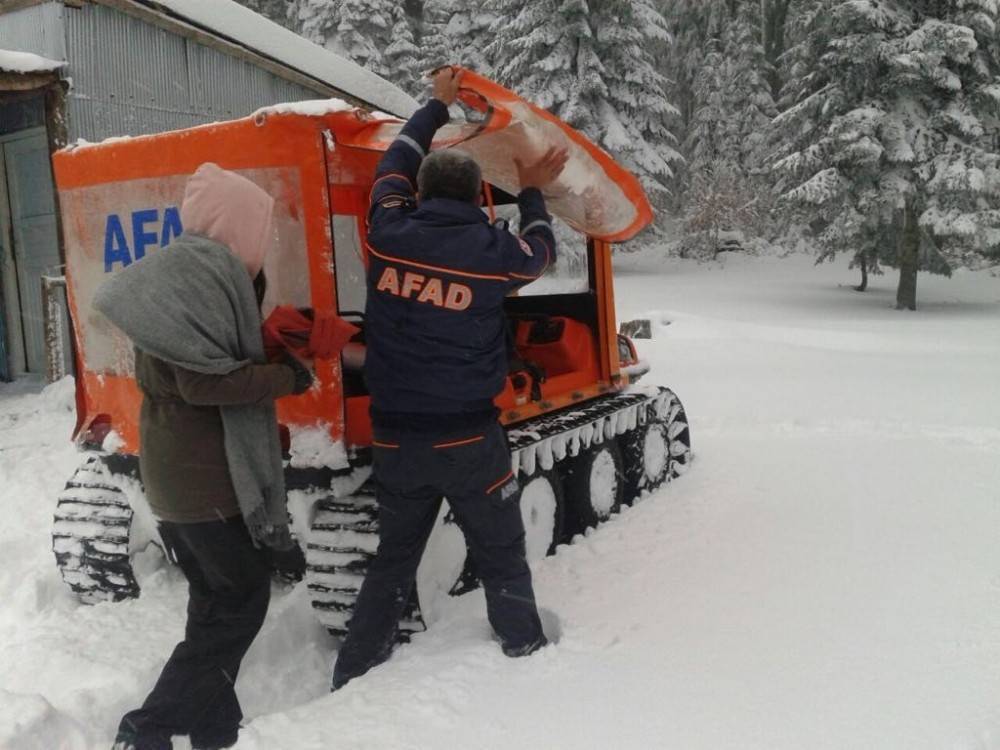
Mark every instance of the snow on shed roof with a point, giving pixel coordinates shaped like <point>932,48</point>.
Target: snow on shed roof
<point>26,62</point>
<point>230,20</point>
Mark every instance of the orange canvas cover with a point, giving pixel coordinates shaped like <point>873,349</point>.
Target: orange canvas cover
<point>595,195</point>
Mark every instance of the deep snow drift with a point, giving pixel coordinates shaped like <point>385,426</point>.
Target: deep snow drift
<point>827,575</point>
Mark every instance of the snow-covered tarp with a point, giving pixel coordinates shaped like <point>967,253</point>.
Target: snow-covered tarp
<point>230,20</point>
<point>26,62</point>
<point>309,108</point>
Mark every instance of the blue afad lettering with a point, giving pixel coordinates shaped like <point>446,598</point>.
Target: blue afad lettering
<point>148,231</point>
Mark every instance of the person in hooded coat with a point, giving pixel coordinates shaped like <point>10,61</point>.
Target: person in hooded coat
<point>209,445</point>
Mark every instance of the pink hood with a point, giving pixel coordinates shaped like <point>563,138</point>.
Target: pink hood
<point>231,210</point>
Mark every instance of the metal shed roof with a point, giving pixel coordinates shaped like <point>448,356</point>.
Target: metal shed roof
<point>237,24</point>
<point>233,28</point>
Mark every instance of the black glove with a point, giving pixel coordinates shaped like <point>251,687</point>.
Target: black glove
<point>303,378</point>
<point>278,538</point>
<point>288,565</point>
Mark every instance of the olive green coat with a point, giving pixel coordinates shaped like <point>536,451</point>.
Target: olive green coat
<point>183,454</point>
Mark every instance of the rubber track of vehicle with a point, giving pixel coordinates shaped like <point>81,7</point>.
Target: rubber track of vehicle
<point>549,439</point>
<point>90,536</point>
<point>342,540</point>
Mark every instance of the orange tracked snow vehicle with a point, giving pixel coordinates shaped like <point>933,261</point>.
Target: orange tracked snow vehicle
<point>584,439</point>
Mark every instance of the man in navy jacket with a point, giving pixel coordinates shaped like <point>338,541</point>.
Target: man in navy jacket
<point>436,332</point>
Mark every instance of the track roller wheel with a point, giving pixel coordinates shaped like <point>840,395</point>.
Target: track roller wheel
<point>543,511</point>
<point>679,435</point>
<point>646,451</point>
<point>657,450</point>
<point>594,485</point>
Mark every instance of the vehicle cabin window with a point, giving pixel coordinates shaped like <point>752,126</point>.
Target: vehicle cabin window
<point>571,272</point>
<point>350,268</point>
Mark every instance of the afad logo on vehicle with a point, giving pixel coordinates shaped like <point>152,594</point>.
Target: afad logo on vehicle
<point>127,238</point>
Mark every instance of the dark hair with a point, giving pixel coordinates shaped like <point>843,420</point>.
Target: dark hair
<point>260,287</point>
<point>449,174</point>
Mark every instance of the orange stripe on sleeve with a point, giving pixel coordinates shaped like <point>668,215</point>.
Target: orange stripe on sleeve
<point>548,262</point>
<point>397,175</point>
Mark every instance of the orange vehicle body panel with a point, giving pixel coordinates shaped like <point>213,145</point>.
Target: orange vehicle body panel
<point>288,142</point>
<point>319,168</point>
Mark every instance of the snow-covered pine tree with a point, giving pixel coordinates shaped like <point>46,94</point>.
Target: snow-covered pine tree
<point>470,36</point>
<point>359,30</point>
<point>775,25</point>
<point>747,94</point>
<point>455,32</point>
<point>401,59</point>
<point>718,61</point>
<point>889,151</point>
<point>436,45</point>
<point>720,76</point>
<point>276,10</point>
<point>707,142</point>
<point>591,63</point>
<point>692,25</point>
<point>710,175</point>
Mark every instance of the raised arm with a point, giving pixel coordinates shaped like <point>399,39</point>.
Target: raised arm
<point>395,188</point>
<point>529,255</point>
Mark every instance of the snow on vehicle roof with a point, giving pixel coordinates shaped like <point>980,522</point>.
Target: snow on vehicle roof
<point>230,20</point>
<point>308,107</point>
<point>26,62</point>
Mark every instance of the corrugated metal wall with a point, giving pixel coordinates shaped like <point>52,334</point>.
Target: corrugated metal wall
<point>132,78</point>
<point>37,29</point>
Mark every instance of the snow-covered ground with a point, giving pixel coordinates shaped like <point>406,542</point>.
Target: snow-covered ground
<point>827,575</point>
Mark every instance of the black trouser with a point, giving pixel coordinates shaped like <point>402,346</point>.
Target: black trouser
<point>412,475</point>
<point>229,590</point>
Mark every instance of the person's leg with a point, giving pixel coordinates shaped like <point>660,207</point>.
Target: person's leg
<point>406,519</point>
<point>229,586</point>
<point>485,499</point>
<point>240,576</point>
<point>162,714</point>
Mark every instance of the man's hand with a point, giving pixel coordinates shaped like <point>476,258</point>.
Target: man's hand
<point>542,172</point>
<point>446,84</point>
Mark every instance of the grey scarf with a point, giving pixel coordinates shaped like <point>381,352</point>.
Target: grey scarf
<point>193,305</point>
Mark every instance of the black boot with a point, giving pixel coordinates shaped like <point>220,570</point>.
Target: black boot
<point>128,740</point>
<point>526,650</point>
<point>216,741</point>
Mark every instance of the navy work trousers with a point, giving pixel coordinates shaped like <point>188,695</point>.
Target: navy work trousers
<point>229,587</point>
<point>413,473</point>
